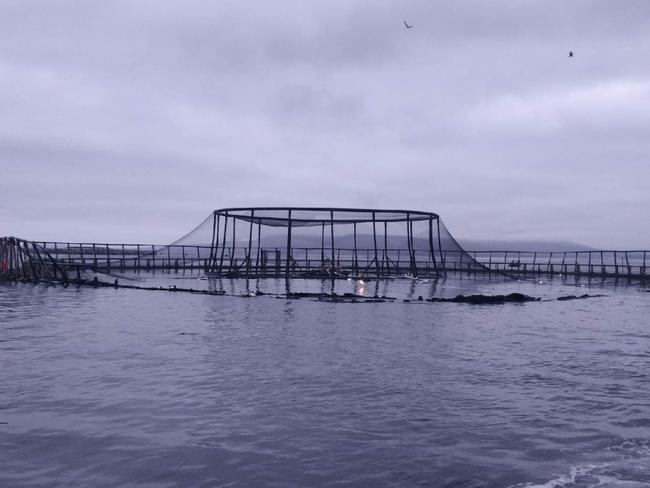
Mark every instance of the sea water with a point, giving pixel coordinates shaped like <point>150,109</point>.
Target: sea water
<point>109,387</point>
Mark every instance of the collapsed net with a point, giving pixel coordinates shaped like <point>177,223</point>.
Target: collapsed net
<point>304,242</point>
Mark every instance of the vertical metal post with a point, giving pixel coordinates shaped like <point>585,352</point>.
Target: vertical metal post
<point>288,246</point>
<point>408,241</point>
<point>374,239</point>
<point>442,255</point>
<point>259,247</point>
<point>643,272</point>
<point>250,243</point>
<point>431,250</point>
<point>215,244</point>
<point>356,257</point>
<point>212,241</point>
<point>414,263</point>
<point>385,261</point>
<point>223,243</point>
<point>322,243</point>
<point>234,240</point>
<point>332,233</point>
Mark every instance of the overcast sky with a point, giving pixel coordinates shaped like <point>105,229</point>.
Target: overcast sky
<point>132,120</point>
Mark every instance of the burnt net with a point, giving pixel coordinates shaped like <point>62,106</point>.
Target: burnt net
<point>324,242</point>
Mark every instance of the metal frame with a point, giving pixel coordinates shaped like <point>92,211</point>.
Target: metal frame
<point>293,218</point>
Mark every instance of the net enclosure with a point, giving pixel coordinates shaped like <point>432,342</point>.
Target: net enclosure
<point>326,242</point>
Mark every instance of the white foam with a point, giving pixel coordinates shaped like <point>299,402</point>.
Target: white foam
<point>588,476</point>
<point>630,470</point>
<point>576,473</point>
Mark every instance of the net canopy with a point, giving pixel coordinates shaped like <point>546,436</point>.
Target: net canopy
<point>297,241</point>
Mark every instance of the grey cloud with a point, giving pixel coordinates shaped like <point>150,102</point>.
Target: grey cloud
<point>133,119</point>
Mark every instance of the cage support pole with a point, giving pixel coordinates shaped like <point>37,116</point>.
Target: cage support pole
<point>414,257</point>
<point>214,231</point>
<point>332,233</point>
<point>322,243</point>
<point>356,257</point>
<point>385,261</point>
<point>643,273</point>
<point>431,250</point>
<point>374,240</point>
<point>259,244</point>
<point>213,266</point>
<point>234,237</point>
<point>223,244</point>
<point>408,241</point>
<point>286,272</point>
<point>250,243</point>
<point>442,255</point>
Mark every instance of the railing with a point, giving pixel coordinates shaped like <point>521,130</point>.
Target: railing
<point>593,263</point>
<point>273,261</point>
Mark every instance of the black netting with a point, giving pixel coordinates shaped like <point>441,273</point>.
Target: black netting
<point>315,241</point>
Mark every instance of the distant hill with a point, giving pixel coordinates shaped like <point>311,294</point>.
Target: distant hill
<point>365,241</point>
<point>539,246</point>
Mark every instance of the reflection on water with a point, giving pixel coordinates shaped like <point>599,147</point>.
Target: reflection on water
<point>107,387</point>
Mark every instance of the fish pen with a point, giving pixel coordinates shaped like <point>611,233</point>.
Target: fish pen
<point>299,242</point>
<point>315,242</point>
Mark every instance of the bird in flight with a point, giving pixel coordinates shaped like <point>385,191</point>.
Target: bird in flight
<point>406,24</point>
<point>570,54</point>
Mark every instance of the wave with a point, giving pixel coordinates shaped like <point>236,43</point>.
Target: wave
<point>630,468</point>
